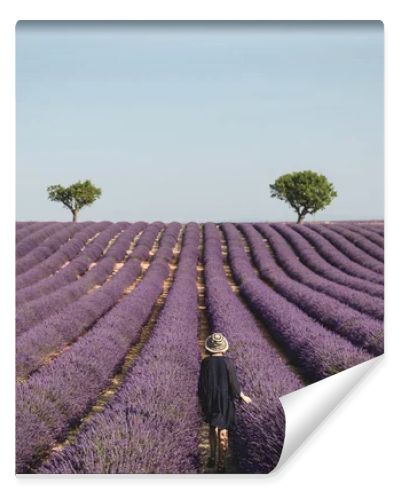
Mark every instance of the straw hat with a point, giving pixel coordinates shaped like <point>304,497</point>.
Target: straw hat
<point>216,343</point>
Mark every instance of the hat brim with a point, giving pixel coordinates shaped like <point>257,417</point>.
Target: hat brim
<point>223,349</point>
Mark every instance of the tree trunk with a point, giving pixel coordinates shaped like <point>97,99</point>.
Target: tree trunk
<point>300,218</point>
<point>74,215</point>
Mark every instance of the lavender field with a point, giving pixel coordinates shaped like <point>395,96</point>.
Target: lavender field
<point>111,320</point>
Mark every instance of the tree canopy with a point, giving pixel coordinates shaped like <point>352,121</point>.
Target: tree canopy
<point>76,196</point>
<point>306,192</point>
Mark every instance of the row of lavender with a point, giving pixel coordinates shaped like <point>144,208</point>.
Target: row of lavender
<point>376,226</point>
<point>41,251</point>
<point>342,254</point>
<point>52,335</point>
<point>256,448</point>
<point>376,237</point>
<point>262,371</point>
<point>371,245</point>
<point>358,249</point>
<point>316,350</point>
<point>43,243</point>
<point>288,259</point>
<point>151,425</point>
<point>19,225</point>
<point>310,253</point>
<point>60,393</point>
<point>29,237</point>
<point>360,328</point>
<point>63,255</point>
<point>37,302</point>
<point>83,262</point>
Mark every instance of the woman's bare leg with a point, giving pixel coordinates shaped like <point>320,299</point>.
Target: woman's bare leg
<point>222,448</point>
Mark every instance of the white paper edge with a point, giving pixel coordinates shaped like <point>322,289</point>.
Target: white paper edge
<point>306,408</point>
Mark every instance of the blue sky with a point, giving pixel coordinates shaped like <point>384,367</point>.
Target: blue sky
<point>193,121</point>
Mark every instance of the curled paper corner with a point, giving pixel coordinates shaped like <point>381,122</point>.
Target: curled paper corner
<point>306,408</point>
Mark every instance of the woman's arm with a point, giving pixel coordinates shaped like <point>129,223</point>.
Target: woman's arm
<point>200,390</point>
<point>232,378</point>
<point>234,383</point>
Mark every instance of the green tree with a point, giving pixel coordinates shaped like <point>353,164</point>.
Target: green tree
<point>306,192</point>
<point>76,196</point>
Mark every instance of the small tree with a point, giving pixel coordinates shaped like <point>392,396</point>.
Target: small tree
<point>76,196</point>
<point>307,192</point>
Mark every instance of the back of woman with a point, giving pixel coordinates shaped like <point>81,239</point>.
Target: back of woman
<point>218,387</point>
<point>216,393</point>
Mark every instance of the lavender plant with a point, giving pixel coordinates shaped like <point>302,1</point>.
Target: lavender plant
<point>321,318</point>
<point>347,247</point>
<point>45,249</point>
<point>25,229</point>
<point>64,254</point>
<point>377,228</point>
<point>34,346</point>
<point>361,329</point>
<point>35,311</point>
<point>318,352</point>
<point>83,262</point>
<point>313,260</point>
<point>36,237</point>
<point>263,371</point>
<point>151,425</point>
<point>335,257</point>
<point>59,394</point>
<point>287,258</point>
<point>362,241</point>
<point>371,234</point>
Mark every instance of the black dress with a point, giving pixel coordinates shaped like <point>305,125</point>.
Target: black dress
<point>217,388</point>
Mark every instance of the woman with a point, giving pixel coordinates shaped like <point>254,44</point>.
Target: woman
<point>218,387</point>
